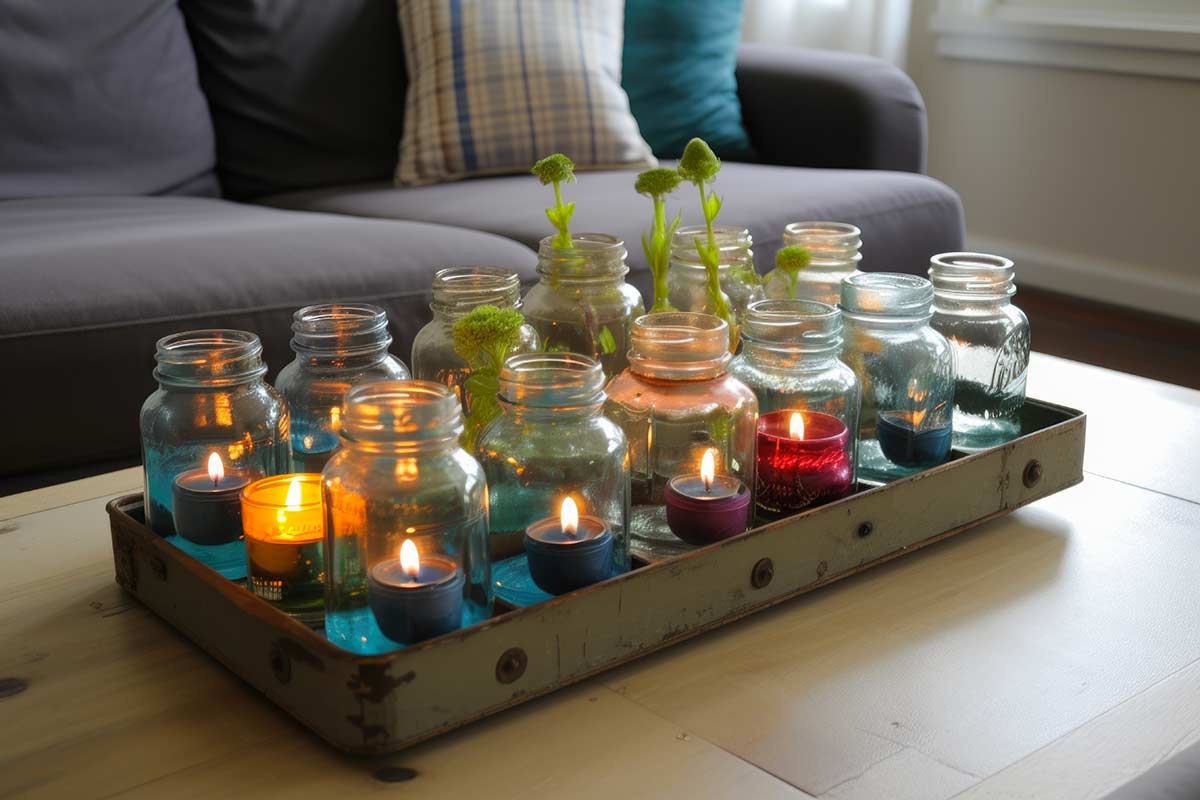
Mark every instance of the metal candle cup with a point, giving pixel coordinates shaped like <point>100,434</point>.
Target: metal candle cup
<point>568,552</point>
<point>411,605</point>
<point>903,443</point>
<point>207,505</point>
<point>797,471</point>
<point>701,511</point>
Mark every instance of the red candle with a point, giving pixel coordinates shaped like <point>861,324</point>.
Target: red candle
<point>803,459</point>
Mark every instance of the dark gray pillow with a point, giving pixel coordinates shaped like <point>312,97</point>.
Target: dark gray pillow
<point>100,98</point>
<point>304,93</point>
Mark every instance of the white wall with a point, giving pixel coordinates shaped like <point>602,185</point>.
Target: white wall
<point>1089,180</point>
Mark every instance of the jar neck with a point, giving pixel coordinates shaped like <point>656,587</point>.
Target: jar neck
<point>833,246</point>
<point>778,358</point>
<point>208,359</point>
<point>458,290</point>
<point>971,279</point>
<point>593,259</point>
<point>733,244</point>
<point>340,335</point>
<point>542,385</point>
<point>679,346</point>
<point>402,417</point>
<point>794,331</point>
<point>887,299</point>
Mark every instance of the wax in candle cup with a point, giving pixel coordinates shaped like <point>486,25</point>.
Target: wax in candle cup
<point>803,460</point>
<point>206,503</point>
<point>415,597</point>
<point>284,521</point>
<point>903,442</point>
<point>706,508</point>
<point>569,551</point>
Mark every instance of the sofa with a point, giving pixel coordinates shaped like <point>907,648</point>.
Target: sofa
<point>291,201</point>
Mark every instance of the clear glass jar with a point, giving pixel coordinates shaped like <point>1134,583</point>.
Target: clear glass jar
<point>211,399</point>
<point>687,286</point>
<point>401,476</point>
<point>582,303</point>
<point>906,370</point>
<point>337,346</point>
<point>456,291</point>
<point>677,400</point>
<point>990,339</point>
<point>551,442</point>
<point>834,247</point>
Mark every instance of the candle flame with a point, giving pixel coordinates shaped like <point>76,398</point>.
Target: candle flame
<point>293,496</point>
<point>410,560</point>
<point>568,517</point>
<point>335,418</point>
<point>796,425</point>
<point>708,468</point>
<point>216,468</point>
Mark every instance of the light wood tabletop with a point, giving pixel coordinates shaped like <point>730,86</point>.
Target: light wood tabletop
<point>1051,653</point>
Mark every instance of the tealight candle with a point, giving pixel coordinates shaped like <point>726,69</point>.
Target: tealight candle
<point>568,552</point>
<point>803,459</point>
<point>316,446</point>
<point>206,504</point>
<point>706,508</point>
<point>415,598</point>
<point>904,442</point>
<point>284,521</point>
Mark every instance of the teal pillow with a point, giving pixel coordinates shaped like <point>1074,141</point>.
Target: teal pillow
<point>677,69</point>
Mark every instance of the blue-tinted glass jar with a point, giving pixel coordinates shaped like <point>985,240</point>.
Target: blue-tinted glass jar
<point>211,399</point>
<point>906,370</point>
<point>337,346</point>
<point>401,482</point>
<point>550,442</point>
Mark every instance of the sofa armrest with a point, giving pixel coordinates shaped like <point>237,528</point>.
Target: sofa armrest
<point>820,108</point>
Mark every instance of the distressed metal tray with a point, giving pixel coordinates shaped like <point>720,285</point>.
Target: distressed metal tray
<point>383,703</point>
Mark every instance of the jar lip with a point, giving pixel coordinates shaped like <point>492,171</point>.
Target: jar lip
<point>793,324</point>
<point>975,262</point>
<point>596,257</point>
<point>463,288</point>
<point>178,347</point>
<point>552,380</point>
<point>586,243</point>
<point>970,276</point>
<point>679,345</point>
<point>208,357</point>
<point>833,232</point>
<point>404,411</point>
<point>347,329</point>
<point>734,244</point>
<point>886,294</point>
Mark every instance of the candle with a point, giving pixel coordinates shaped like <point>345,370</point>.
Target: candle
<point>803,459</point>
<point>903,442</point>
<point>284,521</point>
<point>414,597</point>
<point>568,552</point>
<point>706,508</point>
<point>207,509</point>
<point>317,445</point>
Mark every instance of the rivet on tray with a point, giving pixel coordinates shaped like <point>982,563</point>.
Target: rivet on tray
<point>395,774</point>
<point>159,568</point>
<point>281,665</point>
<point>11,686</point>
<point>1032,474</point>
<point>511,665</point>
<point>864,530</point>
<point>763,572</point>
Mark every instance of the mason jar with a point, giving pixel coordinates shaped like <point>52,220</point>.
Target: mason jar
<point>211,402</point>
<point>337,346</point>
<point>906,370</point>
<point>551,442</point>
<point>581,302</point>
<point>404,504</point>
<point>834,248</point>
<point>687,278</point>
<point>972,308</point>
<point>675,402</point>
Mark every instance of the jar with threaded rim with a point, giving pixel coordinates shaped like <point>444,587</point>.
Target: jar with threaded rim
<point>687,278</point>
<point>834,249</point>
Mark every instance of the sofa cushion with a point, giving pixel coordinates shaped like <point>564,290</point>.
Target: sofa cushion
<point>87,285</point>
<point>100,98</point>
<point>302,93</point>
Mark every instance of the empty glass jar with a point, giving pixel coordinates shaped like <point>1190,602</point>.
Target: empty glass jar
<point>906,370</point>
<point>211,400</point>
<point>834,248</point>
<point>990,339</point>
<point>581,303</point>
<point>687,287</point>
<point>674,402</point>
<point>337,346</point>
<point>406,540</point>
<point>549,443</point>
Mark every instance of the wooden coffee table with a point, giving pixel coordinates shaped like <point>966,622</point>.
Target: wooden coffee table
<point>1052,653</point>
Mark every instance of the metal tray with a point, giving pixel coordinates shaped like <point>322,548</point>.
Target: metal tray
<point>383,703</point>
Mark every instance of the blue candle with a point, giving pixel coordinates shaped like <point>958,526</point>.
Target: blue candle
<point>207,504</point>
<point>415,598</point>
<point>568,552</point>
<point>903,442</point>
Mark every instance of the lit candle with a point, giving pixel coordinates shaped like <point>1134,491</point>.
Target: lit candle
<point>415,598</point>
<point>206,503</point>
<point>284,521</point>
<point>317,445</point>
<point>905,441</point>
<point>803,459</point>
<point>568,552</point>
<point>706,508</point>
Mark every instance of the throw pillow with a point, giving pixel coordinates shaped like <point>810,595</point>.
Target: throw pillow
<point>678,71</point>
<point>495,85</point>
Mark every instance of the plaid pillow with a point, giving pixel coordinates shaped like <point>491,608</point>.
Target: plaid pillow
<point>495,85</point>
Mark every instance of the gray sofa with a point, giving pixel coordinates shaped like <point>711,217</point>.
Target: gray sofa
<point>104,249</point>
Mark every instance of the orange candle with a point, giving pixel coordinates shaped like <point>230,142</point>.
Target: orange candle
<point>283,518</point>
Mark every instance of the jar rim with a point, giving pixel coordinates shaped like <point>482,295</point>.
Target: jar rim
<point>793,324</point>
<point>552,380</point>
<point>346,329</point>
<point>401,412</point>
<point>208,357</point>
<point>591,257</point>
<point>679,345</point>
<point>886,294</point>
<point>970,276</point>
<point>839,232</point>
<point>466,287</point>
<point>734,244</point>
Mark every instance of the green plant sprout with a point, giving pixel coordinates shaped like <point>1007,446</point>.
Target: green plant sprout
<point>699,165</point>
<point>790,260</point>
<point>557,169</point>
<point>484,338</point>
<point>657,184</point>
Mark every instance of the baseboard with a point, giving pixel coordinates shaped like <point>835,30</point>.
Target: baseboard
<point>1103,280</point>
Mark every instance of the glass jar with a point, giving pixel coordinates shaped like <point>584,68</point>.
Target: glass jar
<point>834,248</point>
<point>456,291</point>
<point>337,346</point>
<point>906,370</point>
<point>582,304</point>
<point>687,287</point>
<point>790,360</point>
<point>990,339</point>
<point>399,489</point>
<point>211,399</point>
<point>676,401</point>
<point>551,442</point>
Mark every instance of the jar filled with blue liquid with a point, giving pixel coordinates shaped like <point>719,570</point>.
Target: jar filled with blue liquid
<point>212,413</point>
<point>337,346</point>
<point>406,535</point>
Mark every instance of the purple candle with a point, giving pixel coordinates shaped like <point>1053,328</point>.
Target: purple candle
<point>706,508</point>
<point>415,598</point>
<point>207,503</point>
